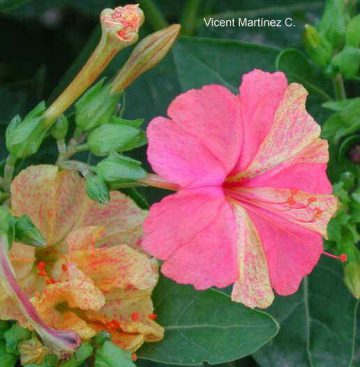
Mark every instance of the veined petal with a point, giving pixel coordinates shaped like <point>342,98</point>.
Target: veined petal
<point>212,115</point>
<point>54,200</point>
<point>293,129</point>
<point>306,171</point>
<point>291,250</point>
<point>195,232</point>
<point>174,154</point>
<point>260,95</point>
<point>311,211</point>
<point>253,287</point>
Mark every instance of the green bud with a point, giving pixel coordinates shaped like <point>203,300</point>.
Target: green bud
<point>27,233</point>
<point>147,53</point>
<point>316,46</point>
<point>60,128</point>
<point>118,170</point>
<point>97,189</point>
<point>110,137</point>
<point>348,180</point>
<point>96,107</point>
<point>347,62</point>
<point>353,32</point>
<point>24,137</point>
<point>101,337</point>
<point>333,22</point>
<point>3,197</point>
<point>352,271</point>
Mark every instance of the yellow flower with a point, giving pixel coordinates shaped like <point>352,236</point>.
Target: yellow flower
<point>92,275</point>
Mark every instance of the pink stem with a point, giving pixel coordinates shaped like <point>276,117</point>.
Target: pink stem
<point>158,182</point>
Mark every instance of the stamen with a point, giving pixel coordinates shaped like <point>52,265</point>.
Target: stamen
<point>342,257</point>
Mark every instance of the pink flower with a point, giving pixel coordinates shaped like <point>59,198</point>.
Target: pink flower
<point>253,199</point>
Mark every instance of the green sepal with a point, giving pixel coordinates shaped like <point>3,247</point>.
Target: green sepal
<point>7,359</point>
<point>118,169</point>
<point>96,107</point>
<point>27,233</point>
<point>7,224</point>
<point>14,336</point>
<point>24,137</point>
<point>110,355</point>
<point>80,356</point>
<point>60,128</point>
<point>111,137</point>
<point>101,337</point>
<point>49,361</point>
<point>97,189</point>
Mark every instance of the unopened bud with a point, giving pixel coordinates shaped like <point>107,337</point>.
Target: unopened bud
<point>347,62</point>
<point>317,46</point>
<point>122,23</point>
<point>97,189</point>
<point>149,52</point>
<point>111,137</point>
<point>95,107</point>
<point>60,128</point>
<point>27,233</point>
<point>24,137</point>
<point>118,169</point>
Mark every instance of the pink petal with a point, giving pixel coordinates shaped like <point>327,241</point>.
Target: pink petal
<point>195,232</point>
<point>291,250</point>
<point>306,172</point>
<point>211,114</point>
<point>293,130</point>
<point>180,157</point>
<point>260,95</point>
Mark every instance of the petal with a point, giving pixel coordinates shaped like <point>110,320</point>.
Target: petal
<point>117,267</point>
<point>174,154</point>
<point>195,232</point>
<point>52,199</point>
<point>121,219</point>
<point>311,211</point>
<point>253,287</point>
<point>292,130</point>
<point>291,250</point>
<point>212,115</point>
<point>22,258</point>
<point>305,172</point>
<point>260,95</point>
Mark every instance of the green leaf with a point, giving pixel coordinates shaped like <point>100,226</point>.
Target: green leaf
<point>347,62</point>
<point>319,324</point>
<point>10,4</point>
<point>6,359</point>
<point>340,105</point>
<point>353,32</point>
<point>204,326</point>
<point>109,355</point>
<point>201,61</point>
<point>49,361</point>
<point>14,336</point>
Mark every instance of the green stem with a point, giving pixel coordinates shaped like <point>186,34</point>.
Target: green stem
<point>9,172</point>
<point>188,17</point>
<point>102,55</point>
<point>339,88</point>
<point>153,15</point>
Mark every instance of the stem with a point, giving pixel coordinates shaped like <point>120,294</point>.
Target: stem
<point>339,88</point>
<point>100,58</point>
<point>153,15</point>
<point>9,172</point>
<point>59,341</point>
<point>188,17</point>
<point>81,167</point>
<point>158,182</point>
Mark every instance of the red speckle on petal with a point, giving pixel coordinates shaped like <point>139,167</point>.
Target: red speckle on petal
<point>135,316</point>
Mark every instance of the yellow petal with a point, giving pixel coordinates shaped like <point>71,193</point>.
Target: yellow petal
<point>53,200</point>
<point>253,287</point>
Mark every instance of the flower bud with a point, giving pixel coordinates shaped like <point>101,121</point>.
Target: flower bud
<point>118,170</point>
<point>122,23</point>
<point>27,233</point>
<point>111,137</point>
<point>317,46</point>
<point>97,189</point>
<point>352,272</point>
<point>60,128</point>
<point>150,51</point>
<point>24,137</point>
<point>95,107</point>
